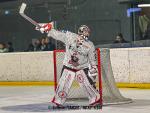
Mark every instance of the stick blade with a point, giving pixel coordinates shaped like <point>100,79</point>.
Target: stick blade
<point>22,8</point>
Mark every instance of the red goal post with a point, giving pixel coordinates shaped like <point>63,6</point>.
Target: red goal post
<point>105,82</point>
<point>56,52</point>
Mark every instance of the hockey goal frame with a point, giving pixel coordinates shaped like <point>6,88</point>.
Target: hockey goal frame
<point>98,65</point>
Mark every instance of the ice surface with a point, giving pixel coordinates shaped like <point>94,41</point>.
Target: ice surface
<point>34,99</point>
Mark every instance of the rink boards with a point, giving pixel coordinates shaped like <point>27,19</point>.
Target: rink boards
<point>129,65</point>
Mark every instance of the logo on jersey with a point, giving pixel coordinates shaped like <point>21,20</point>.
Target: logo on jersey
<point>74,59</point>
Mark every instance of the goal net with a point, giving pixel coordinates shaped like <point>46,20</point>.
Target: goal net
<point>105,82</point>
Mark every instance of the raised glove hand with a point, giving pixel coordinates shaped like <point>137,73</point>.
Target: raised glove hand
<point>45,28</point>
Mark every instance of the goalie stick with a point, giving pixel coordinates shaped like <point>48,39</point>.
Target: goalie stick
<point>21,12</point>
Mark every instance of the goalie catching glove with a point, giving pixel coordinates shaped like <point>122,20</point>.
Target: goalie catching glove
<point>45,28</point>
<point>93,72</point>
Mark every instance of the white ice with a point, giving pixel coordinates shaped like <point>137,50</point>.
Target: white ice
<point>35,99</point>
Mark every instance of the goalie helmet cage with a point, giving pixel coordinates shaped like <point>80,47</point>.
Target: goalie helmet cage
<point>105,82</point>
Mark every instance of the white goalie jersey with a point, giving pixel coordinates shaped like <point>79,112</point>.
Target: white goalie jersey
<point>78,55</point>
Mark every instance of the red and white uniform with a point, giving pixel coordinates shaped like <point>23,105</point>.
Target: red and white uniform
<point>79,55</point>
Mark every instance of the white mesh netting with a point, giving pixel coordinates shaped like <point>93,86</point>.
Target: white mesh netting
<point>110,92</point>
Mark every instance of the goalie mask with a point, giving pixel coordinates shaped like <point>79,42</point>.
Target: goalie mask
<point>84,31</point>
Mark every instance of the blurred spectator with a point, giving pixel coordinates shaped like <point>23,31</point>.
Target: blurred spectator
<point>144,23</point>
<point>3,48</point>
<point>147,32</point>
<point>48,45</point>
<point>43,46</point>
<point>37,45</point>
<point>120,39</point>
<point>10,47</point>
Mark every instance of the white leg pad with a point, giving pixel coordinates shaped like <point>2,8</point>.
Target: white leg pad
<point>84,83</point>
<point>63,87</point>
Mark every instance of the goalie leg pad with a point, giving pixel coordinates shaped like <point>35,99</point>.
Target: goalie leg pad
<point>84,83</point>
<point>63,87</point>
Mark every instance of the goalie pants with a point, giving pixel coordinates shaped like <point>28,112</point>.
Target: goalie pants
<point>67,77</point>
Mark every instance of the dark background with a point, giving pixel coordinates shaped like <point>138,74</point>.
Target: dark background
<point>105,18</point>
